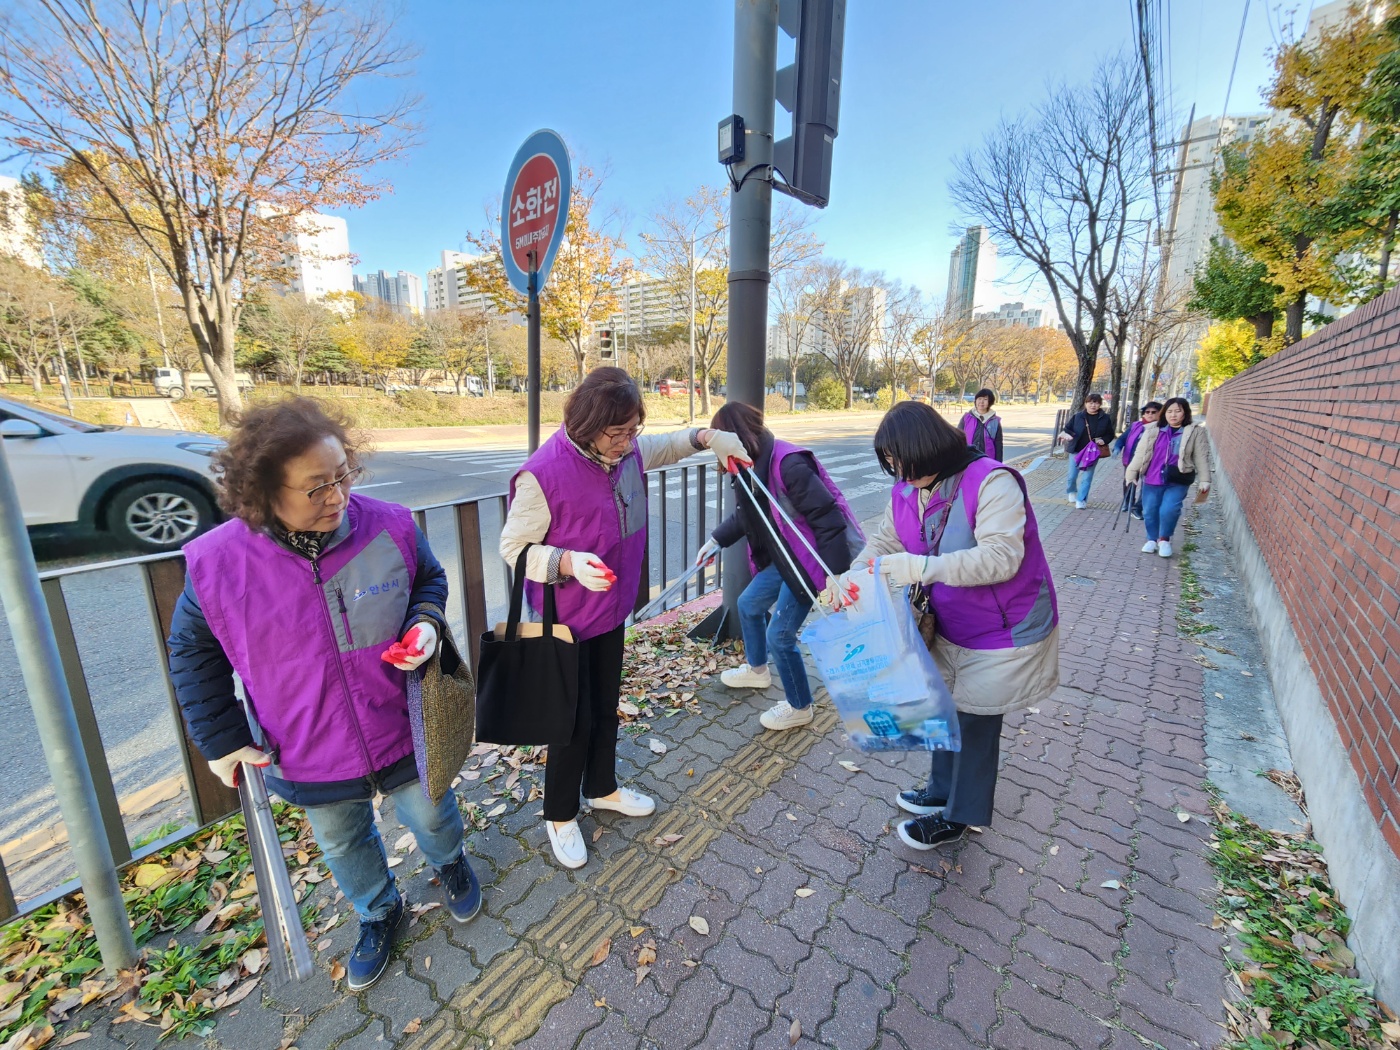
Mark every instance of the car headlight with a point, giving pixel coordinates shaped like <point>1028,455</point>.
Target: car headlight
<point>201,448</point>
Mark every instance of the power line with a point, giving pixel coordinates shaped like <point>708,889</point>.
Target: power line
<point>1229,87</point>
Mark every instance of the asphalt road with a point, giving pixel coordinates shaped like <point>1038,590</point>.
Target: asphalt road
<point>123,654</point>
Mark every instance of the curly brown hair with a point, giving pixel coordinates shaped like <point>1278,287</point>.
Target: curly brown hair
<point>251,467</point>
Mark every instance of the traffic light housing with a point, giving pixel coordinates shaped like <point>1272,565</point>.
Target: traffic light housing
<point>606,351</point>
<point>810,89</point>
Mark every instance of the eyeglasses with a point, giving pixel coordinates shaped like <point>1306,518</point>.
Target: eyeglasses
<point>321,493</point>
<point>616,435</point>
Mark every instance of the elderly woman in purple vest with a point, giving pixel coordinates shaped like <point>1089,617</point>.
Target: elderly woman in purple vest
<point>1127,443</point>
<point>302,592</point>
<point>787,576</point>
<point>1170,456</point>
<point>580,505</point>
<point>1091,427</point>
<point>960,527</point>
<point>982,426</point>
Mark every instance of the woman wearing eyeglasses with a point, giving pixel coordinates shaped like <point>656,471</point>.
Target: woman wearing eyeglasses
<point>581,501</point>
<point>300,593</point>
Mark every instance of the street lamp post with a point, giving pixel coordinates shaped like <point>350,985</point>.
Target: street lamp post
<point>691,385</point>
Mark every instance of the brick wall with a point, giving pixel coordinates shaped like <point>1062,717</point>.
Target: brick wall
<point>1310,440</point>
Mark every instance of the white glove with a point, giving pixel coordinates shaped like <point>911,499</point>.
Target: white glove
<point>841,591</point>
<point>707,552</point>
<point>727,447</point>
<point>904,569</point>
<point>422,636</point>
<point>590,571</point>
<point>226,768</point>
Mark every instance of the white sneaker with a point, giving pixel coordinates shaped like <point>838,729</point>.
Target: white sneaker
<point>1079,504</point>
<point>783,715</point>
<point>628,802</point>
<point>569,848</point>
<point>1164,548</point>
<point>1150,547</point>
<point>746,677</point>
<point>1070,497</point>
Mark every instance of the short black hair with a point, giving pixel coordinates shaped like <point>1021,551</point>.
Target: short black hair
<point>1156,405</point>
<point>984,392</point>
<point>1185,407</point>
<point>1094,397</point>
<point>913,441</point>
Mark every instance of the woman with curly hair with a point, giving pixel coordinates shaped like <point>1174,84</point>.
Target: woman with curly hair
<point>300,593</point>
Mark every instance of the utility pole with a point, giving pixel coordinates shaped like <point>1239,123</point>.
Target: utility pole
<point>160,321</point>
<point>691,391</point>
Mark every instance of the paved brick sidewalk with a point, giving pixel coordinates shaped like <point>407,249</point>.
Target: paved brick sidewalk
<point>1010,940</point>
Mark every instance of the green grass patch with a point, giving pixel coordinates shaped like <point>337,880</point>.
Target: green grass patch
<point>1298,977</point>
<point>196,921</point>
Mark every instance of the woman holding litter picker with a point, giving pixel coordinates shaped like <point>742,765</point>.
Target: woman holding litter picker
<point>960,528</point>
<point>308,592</point>
<point>786,574</point>
<point>1170,456</point>
<point>579,504</point>
<point>1127,443</point>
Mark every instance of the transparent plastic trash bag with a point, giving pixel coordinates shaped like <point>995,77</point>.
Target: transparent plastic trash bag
<point>880,675</point>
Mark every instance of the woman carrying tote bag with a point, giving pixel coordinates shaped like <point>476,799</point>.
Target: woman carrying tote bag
<point>580,505</point>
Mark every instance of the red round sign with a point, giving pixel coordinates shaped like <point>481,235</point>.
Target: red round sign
<point>532,208</point>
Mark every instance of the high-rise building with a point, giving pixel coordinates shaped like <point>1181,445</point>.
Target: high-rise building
<point>318,256</point>
<point>401,291</point>
<point>1193,218</point>
<point>444,281</point>
<point>972,266</point>
<point>1013,315</point>
<point>17,235</point>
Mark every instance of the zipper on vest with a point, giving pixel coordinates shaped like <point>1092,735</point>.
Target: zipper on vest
<point>344,615</point>
<point>340,667</point>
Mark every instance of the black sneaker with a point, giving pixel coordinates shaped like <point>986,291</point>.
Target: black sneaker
<point>921,802</point>
<point>370,957</point>
<point>1136,514</point>
<point>460,890</point>
<point>928,832</point>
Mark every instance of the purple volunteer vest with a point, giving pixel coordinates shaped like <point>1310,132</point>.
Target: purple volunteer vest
<point>1017,612</point>
<point>305,637</point>
<point>988,446</point>
<point>1130,443</point>
<point>591,509</point>
<point>855,538</point>
<point>1162,457</point>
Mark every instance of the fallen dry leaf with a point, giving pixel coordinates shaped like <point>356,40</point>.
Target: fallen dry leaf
<point>497,811</point>
<point>646,956</point>
<point>405,842</point>
<point>1033,710</point>
<point>1185,818</point>
<point>789,816</point>
<point>642,971</point>
<point>323,944</point>
<point>627,708</point>
<point>636,931</point>
<point>601,952</point>
<point>253,960</point>
<point>806,891</point>
<point>597,833</point>
<point>1111,884</point>
<point>413,1026</point>
<point>848,765</point>
<point>699,925</point>
<point>794,1032</point>
<point>657,746</point>
<point>76,1037</point>
<point>147,875</point>
<point>337,970</point>
<point>427,962</point>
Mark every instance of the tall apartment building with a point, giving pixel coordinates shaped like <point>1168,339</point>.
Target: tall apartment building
<point>1013,315</point>
<point>401,291</point>
<point>445,284</point>
<point>17,234</point>
<point>1194,221</point>
<point>866,316</point>
<point>318,256</point>
<point>972,266</point>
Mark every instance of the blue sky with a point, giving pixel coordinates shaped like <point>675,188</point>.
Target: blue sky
<point>638,86</point>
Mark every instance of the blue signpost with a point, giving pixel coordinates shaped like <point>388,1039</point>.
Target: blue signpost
<point>534,214</point>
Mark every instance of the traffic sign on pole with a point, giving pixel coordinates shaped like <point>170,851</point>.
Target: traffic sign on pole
<point>535,208</point>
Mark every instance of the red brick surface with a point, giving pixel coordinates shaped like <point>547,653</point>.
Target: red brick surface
<point>1310,440</point>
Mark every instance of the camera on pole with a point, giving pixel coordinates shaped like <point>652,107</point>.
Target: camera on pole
<point>810,89</point>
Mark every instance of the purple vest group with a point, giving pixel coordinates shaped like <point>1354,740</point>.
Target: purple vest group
<point>811,567</point>
<point>971,426</point>
<point>305,637</point>
<point>1162,457</point>
<point>591,508</point>
<point>1017,612</point>
<point>1130,442</point>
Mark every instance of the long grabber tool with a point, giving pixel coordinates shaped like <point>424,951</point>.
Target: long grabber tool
<point>658,604</point>
<point>287,949</point>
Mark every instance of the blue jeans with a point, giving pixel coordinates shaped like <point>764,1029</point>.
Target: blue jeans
<point>354,851</point>
<point>1161,509</point>
<point>1085,477</point>
<point>779,636</point>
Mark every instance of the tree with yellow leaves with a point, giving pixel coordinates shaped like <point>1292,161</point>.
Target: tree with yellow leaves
<point>1278,199</point>
<point>1228,348</point>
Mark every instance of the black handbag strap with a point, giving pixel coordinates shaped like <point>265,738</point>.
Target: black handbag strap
<point>517,600</point>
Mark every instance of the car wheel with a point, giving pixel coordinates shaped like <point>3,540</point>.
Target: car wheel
<point>177,393</point>
<point>159,515</point>
<point>203,391</point>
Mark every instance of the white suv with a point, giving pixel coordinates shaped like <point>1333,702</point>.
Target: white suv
<point>151,488</point>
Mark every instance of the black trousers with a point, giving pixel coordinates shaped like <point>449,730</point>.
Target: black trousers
<point>968,778</point>
<point>589,761</point>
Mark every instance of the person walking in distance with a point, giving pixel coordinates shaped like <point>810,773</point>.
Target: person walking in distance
<point>960,526</point>
<point>786,576</point>
<point>1171,455</point>
<point>579,503</point>
<point>982,426</point>
<point>301,593</point>
<point>1091,427</point>
<point>1127,443</point>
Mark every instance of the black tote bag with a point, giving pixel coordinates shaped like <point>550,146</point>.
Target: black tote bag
<point>527,679</point>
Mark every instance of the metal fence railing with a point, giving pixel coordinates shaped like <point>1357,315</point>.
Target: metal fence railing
<point>685,502</point>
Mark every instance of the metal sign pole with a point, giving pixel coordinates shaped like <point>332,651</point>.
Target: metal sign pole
<point>39,662</point>
<point>532,356</point>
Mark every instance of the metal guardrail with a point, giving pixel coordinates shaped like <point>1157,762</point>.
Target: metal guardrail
<point>671,548</point>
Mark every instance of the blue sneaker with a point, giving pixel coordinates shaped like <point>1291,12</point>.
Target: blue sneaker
<point>460,890</point>
<point>370,957</point>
